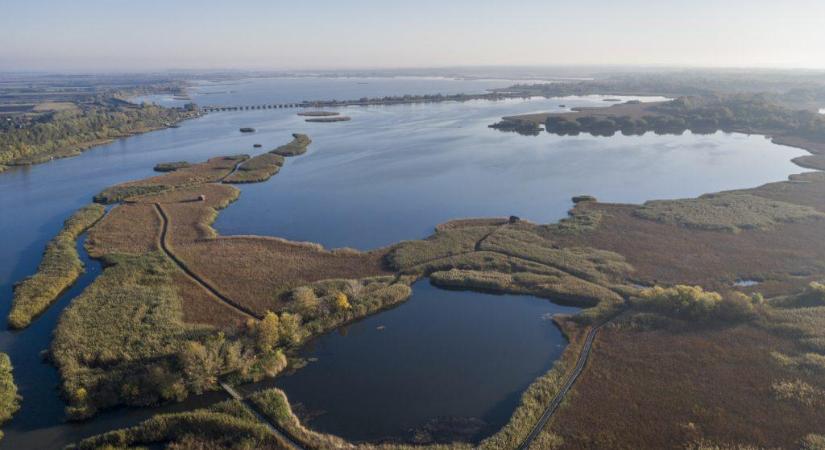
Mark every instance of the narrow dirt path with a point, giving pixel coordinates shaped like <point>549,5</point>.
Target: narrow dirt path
<point>241,309</point>
<point>565,389</point>
<point>273,427</point>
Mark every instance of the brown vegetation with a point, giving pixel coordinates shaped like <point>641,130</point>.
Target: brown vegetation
<point>211,171</point>
<point>258,270</point>
<point>257,169</point>
<point>665,389</point>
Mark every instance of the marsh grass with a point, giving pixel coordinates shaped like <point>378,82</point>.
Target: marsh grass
<point>224,425</point>
<point>559,287</point>
<point>171,166</point>
<point>58,270</point>
<point>444,243</point>
<point>584,262</point>
<point>727,211</point>
<point>211,171</point>
<point>128,316</point>
<point>257,169</point>
<point>298,146</point>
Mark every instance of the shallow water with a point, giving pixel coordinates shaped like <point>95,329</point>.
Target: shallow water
<point>392,173</point>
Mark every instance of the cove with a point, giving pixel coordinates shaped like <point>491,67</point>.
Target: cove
<point>445,365</point>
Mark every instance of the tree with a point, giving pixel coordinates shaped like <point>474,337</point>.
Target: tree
<point>268,332</point>
<point>290,328</point>
<point>200,366</point>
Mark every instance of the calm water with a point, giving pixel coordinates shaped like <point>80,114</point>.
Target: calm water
<point>465,355</point>
<point>391,173</point>
<point>256,91</point>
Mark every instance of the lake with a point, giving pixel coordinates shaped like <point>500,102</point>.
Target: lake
<point>391,173</point>
<point>467,356</point>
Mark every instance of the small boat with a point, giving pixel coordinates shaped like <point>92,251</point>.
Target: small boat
<point>247,130</point>
<point>257,145</point>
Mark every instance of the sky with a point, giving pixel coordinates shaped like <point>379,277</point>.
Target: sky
<point>129,35</point>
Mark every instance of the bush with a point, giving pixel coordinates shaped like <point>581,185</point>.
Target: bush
<point>9,400</point>
<point>267,331</point>
<point>798,391</point>
<point>694,303</point>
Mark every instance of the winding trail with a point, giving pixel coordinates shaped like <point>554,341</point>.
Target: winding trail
<point>164,245</point>
<point>571,379</point>
<point>273,427</point>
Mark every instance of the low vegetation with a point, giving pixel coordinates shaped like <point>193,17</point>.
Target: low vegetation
<point>58,270</point>
<point>171,166</point>
<point>800,392</point>
<point>9,400</point>
<point>227,425</point>
<point>688,384</point>
<point>729,211</point>
<point>298,146</point>
<point>214,170</point>
<point>257,169</point>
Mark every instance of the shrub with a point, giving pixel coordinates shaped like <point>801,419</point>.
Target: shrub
<point>9,400</point>
<point>342,302</point>
<point>812,442</point>
<point>305,301</point>
<point>267,332</point>
<point>694,303</point>
<point>290,330</point>
<point>798,391</point>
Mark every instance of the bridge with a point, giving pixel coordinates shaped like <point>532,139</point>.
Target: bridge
<point>251,107</point>
<point>364,101</point>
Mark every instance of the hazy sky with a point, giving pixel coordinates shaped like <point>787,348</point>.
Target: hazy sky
<point>313,34</point>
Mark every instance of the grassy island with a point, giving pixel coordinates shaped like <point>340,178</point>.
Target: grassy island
<point>298,146</point>
<point>262,167</point>
<point>9,400</point>
<point>59,269</point>
<point>329,119</point>
<point>171,166</point>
